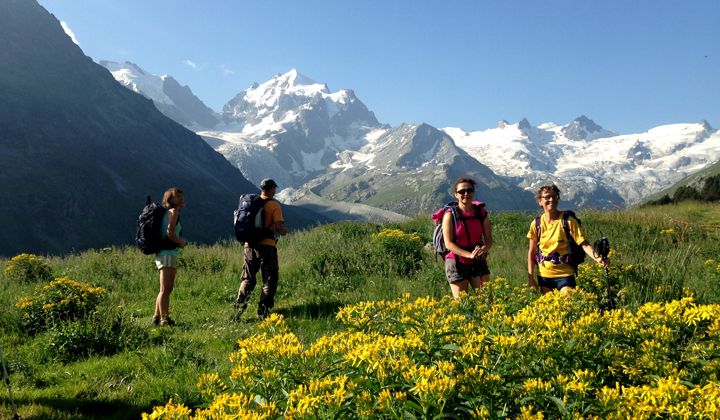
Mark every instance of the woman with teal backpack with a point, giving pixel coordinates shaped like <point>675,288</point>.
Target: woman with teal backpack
<point>166,259</point>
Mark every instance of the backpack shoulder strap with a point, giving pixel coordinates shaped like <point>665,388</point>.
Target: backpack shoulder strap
<point>480,211</point>
<point>453,207</point>
<point>566,226</point>
<point>537,228</point>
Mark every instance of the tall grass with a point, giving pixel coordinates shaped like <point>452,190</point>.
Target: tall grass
<point>114,361</point>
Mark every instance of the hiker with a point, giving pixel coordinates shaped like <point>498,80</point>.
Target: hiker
<point>166,259</point>
<point>556,271</point>
<point>468,241</point>
<point>262,255</point>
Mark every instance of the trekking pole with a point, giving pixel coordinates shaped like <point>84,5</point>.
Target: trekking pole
<point>601,248</point>
<point>7,381</point>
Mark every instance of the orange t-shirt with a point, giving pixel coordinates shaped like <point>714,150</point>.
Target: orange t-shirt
<point>273,214</point>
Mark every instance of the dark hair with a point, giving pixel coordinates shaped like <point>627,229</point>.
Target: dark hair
<point>551,188</point>
<point>170,197</point>
<point>462,180</point>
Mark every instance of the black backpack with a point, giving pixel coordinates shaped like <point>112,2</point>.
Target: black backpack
<point>149,229</point>
<point>249,219</point>
<point>577,253</point>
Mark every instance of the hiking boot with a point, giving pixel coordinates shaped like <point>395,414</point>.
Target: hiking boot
<point>156,320</point>
<point>263,313</point>
<point>167,322</point>
<point>239,310</point>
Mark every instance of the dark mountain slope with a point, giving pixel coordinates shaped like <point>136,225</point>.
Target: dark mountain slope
<point>79,152</point>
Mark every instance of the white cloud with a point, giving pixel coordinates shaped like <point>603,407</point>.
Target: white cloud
<point>226,71</point>
<point>190,63</point>
<point>69,32</point>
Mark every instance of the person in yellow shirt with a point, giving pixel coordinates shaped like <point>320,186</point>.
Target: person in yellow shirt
<point>262,255</point>
<point>551,251</point>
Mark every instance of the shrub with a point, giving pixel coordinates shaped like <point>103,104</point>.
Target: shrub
<point>686,192</point>
<point>28,268</point>
<point>101,334</point>
<point>63,299</point>
<point>202,262</point>
<point>401,253</point>
<point>711,188</point>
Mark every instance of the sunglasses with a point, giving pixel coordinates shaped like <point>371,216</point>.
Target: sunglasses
<point>467,191</point>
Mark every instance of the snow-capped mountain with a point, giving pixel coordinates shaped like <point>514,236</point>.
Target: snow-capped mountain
<point>311,139</point>
<point>290,126</point>
<point>328,144</point>
<point>593,166</point>
<point>410,169</point>
<point>175,101</point>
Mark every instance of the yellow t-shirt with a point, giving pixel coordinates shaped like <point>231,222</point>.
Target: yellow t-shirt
<point>273,214</point>
<point>552,239</point>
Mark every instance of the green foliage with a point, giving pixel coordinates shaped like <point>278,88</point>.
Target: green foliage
<point>202,262</point>
<point>101,334</point>
<point>115,361</point>
<point>710,191</point>
<point>504,353</point>
<point>665,199</point>
<point>685,193</point>
<point>711,188</point>
<point>28,268</point>
<point>401,253</point>
<point>63,299</point>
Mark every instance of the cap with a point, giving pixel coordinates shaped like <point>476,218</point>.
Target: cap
<point>267,184</point>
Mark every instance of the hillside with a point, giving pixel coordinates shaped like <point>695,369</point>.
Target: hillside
<point>80,152</point>
<point>695,180</point>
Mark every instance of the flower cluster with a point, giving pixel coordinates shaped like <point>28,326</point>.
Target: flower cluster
<point>63,299</point>
<point>713,264</point>
<point>501,354</point>
<point>28,268</point>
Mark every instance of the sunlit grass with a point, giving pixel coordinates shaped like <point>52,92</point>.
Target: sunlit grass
<point>322,270</point>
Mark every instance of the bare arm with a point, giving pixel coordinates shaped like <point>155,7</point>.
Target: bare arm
<point>487,237</point>
<point>591,252</point>
<point>173,215</point>
<point>531,263</point>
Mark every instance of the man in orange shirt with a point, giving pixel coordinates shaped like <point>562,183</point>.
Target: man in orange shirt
<point>262,255</point>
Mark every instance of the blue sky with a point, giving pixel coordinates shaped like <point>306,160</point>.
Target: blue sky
<point>628,65</point>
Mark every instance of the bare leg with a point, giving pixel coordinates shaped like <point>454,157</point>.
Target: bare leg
<point>459,287</point>
<point>167,283</point>
<point>479,281</point>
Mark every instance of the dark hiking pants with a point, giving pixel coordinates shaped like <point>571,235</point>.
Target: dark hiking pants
<point>265,258</point>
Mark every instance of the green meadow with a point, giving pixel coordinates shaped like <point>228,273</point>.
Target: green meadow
<point>85,347</point>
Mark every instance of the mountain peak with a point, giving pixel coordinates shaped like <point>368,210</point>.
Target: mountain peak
<point>583,128</point>
<point>586,123</point>
<point>295,78</point>
<point>524,124</point>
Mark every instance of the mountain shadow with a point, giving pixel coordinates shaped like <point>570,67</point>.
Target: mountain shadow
<point>79,152</point>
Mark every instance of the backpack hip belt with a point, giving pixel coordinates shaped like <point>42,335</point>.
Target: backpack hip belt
<point>554,258</point>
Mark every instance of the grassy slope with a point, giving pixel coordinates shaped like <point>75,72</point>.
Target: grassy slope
<point>695,180</point>
<point>169,362</point>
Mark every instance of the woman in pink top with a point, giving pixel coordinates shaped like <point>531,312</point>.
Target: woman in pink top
<point>468,239</point>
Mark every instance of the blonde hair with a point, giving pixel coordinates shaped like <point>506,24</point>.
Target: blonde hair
<point>170,197</point>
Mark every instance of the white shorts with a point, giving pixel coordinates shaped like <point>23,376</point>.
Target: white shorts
<point>165,261</point>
